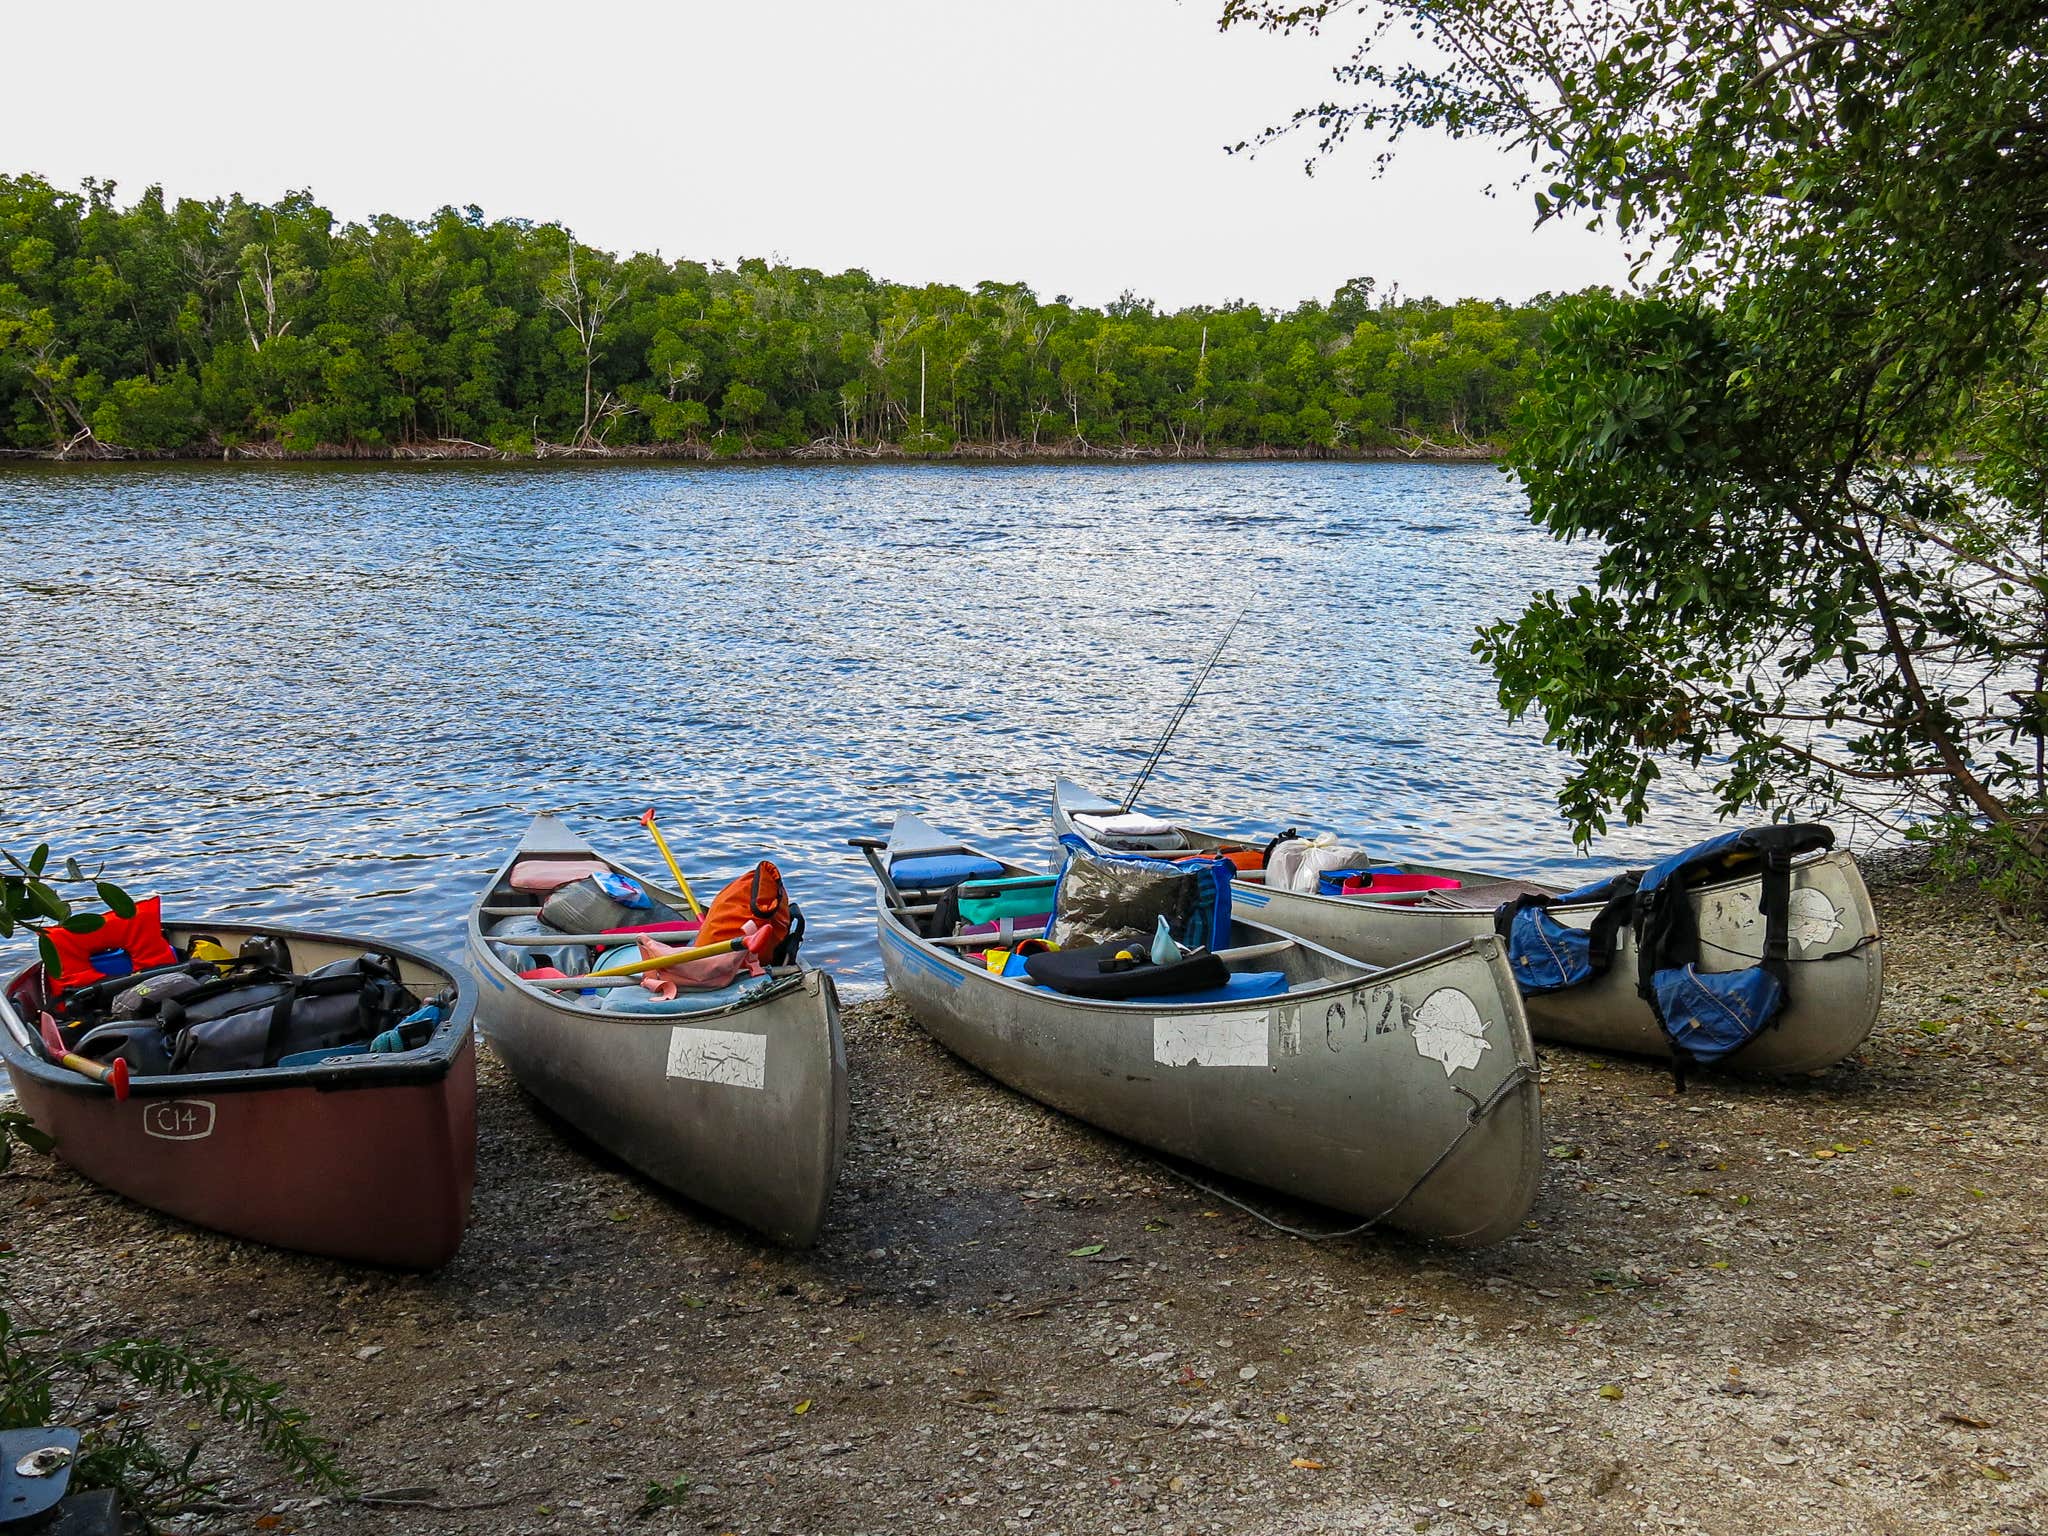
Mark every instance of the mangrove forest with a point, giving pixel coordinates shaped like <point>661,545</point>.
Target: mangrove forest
<point>245,328</point>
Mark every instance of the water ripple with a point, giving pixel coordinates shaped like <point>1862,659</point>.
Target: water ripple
<point>335,694</point>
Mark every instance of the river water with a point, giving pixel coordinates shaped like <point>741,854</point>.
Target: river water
<point>334,695</point>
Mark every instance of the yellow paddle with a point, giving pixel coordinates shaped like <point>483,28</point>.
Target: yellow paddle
<point>758,940</point>
<point>647,821</point>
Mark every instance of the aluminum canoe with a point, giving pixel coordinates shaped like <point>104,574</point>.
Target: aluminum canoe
<point>740,1109</point>
<point>1837,963</point>
<point>1406,1094</point>
<point>370,1158</point>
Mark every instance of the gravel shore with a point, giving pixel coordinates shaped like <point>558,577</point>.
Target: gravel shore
<point>1805,1307</point>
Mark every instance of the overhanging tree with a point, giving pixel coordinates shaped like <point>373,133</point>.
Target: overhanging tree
<point>1812,441</point>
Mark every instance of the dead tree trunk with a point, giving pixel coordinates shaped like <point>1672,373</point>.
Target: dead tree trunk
<point>585,311</point>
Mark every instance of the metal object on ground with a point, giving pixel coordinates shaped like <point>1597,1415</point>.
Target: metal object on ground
<point>35,1472</point>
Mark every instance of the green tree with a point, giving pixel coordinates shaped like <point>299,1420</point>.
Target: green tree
<point>1809,446</point>
<point>198,326</point>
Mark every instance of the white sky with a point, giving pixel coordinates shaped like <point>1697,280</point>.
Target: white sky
<point>1072,145</point>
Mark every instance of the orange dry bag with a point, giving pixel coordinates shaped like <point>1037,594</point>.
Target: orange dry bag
<point>758,897</point>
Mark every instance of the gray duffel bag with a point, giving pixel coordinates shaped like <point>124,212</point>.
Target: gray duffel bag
<point>586,907</point>
<point>239,1030</point>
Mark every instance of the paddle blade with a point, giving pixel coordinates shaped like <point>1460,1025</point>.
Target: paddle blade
<point>117,1079</point>
<point>647,817</point>
<point>53,1041</point>
<point>759,940</point>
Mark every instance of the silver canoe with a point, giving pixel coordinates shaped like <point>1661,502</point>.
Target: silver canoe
<point>1406,1094</point>
<point>1837,973</point>
<point>741,1109</point>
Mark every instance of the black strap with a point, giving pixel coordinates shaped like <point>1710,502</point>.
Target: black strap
<point>1266,854</point>
<point>1612,917</point>
<point>281,1022</point>
<point>754,897</point>
<point>786,954</point>
<point>1603,934</point>
<point>1775,903</point>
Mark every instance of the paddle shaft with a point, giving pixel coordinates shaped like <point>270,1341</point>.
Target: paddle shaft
<point>675,869</point>
<point>641,967</point>
<point>85,1066</point>
<point>114,1074</point>
<point>871,849</point>
<point>548,941</point>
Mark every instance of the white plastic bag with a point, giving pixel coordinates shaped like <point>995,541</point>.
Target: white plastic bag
<point>1305,871</point>
<point>1281,861</point>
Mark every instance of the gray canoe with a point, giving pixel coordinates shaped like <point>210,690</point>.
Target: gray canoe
<point>1406,1094</point>
<point>741,1109</point>
<point>1837,971</point>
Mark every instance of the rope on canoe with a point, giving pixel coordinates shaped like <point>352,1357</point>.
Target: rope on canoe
<point>1479,1111</point>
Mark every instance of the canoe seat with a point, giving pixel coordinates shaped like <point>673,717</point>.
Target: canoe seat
<point>935,871</point>
<point>1483,897</point>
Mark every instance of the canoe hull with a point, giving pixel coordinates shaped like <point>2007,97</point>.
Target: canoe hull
<point>741,1110</point>
<point>372,1164</point>
<point>1836,987</point>
<point>1361,1095</point>
<point>1837,962</point>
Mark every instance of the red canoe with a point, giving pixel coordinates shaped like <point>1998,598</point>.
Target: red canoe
<point>368,1158</point>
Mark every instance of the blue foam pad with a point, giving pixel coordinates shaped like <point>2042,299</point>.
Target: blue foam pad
<point>935,870</point>
<point>1242,985</point>
<point>314,1058</point>
<point>640,1000</point>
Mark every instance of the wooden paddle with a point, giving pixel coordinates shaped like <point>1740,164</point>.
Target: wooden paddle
<point>114,1074</point>
<point>758,940</point>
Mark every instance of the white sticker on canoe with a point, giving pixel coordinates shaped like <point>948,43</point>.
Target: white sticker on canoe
<point>1211,1040</point>
<point>1448,1029</point>
<point>1812,918</point>
<point>178,1119</point>
<point>729,1056</point>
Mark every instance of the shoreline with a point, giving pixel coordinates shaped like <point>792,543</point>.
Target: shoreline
<point>1804,1303</point>
<point>449,451</point>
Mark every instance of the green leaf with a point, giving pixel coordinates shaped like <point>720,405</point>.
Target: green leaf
<point>53,964</point>
<point>27,1132</point>
<point>1082,1253</point>
<point>84,922</point>
<point>39,858</point>
<point>118,901</point>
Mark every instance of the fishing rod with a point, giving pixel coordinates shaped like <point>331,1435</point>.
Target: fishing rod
<point>1180,714</point>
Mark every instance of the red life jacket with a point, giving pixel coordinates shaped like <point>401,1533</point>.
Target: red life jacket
<point>140,937</point>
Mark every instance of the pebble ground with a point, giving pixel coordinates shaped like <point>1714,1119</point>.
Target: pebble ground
<point>1753,1307</point>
